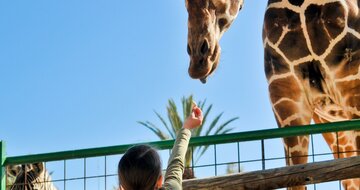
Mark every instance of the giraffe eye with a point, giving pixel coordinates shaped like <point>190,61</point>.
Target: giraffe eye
<point>222,23</point>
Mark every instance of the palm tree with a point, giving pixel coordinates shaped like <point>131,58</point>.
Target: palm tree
<point>176,123</point>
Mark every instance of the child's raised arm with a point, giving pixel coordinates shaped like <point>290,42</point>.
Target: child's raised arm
<point>175,169</point>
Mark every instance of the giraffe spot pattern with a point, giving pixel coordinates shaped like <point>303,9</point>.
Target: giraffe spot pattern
<point>273,1</point>
<point>330,138</point>
<point>291,141</point>
<point>274,63</point>
<point>296,2</point>
<point>305,142</point>
<point>351,88</point>
<point>311,72</point>
<point>345,57</point>
<point>294,44</point>
<point>299,157</point>
<point>354,21</point>
<point>297,122</point>
<point>324,23</point>
<point>277,20</point>
<point>220,7</point>
<point>233,8</point>
<point>286,87</point>
<point>286,109</point>
<point>349,148</point>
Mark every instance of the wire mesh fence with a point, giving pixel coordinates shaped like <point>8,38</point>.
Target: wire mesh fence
<point>96,168</point>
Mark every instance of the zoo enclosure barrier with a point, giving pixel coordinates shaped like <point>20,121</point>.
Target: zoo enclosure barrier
<point>213,142</point>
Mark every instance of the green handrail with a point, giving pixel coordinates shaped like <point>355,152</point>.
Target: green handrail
<point>196,141</point>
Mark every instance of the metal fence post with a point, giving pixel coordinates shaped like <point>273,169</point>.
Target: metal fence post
<point>2,166</point>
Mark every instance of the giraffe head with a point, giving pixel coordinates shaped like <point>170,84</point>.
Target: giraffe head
<point>208,20</point>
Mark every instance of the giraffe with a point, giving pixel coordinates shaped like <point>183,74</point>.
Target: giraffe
<point>311,60</point>
<point>33,176</point>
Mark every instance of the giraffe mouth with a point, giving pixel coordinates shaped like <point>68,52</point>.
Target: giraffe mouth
<point>214,61</point>
<point>204,79</point>
<point>201,67</point>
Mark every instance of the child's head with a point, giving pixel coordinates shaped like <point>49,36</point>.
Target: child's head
<point>140,168</point>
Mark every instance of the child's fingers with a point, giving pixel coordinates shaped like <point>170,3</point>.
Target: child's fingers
<point>197,111</point>
<point>193,104</point>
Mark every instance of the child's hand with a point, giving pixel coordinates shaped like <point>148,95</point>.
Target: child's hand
<point>195,119</point>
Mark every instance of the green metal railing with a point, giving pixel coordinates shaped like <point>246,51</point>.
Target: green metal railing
<point>161,145</point>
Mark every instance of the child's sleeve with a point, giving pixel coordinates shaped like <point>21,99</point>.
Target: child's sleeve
<point>175,169</point>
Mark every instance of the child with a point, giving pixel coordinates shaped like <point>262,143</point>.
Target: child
<point>140,167</point>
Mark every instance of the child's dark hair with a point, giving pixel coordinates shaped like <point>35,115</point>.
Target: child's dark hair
<point>139,168</point>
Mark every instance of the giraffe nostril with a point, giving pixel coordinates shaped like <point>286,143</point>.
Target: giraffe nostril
<point>188,49</point>
<point>204,48</point>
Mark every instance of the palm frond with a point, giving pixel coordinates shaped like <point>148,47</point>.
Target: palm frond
<point>213,124</point>
<point>221,127</point>
<point>175,122</point>
<point>154,129</point>
<point>201,104</point>
<point>173,116</point>
<point>170,112</point>
<point>171,132</point>
<point>225,131</point>
<point>187,106</point>
<point>183,102</point>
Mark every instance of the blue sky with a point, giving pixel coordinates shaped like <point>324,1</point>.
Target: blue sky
<point>86,71</point>
<point>79,74</point>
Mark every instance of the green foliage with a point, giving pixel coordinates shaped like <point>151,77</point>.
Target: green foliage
<point>176,122</point>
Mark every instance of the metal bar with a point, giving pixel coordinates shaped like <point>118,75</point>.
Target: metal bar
<point>312,148</point>
<point>105,173</point>
<point>238,155</point>
<point>337,145</point>
<point>84,173</point>
<point>196,141</point>
<point>192,161</point>
<point>263,154</point>
<point>313,152</point>
<point>44,175</point>
<point>215,160</point>
<point>2,166</point>
<point>338,152</point>
<point>64,174</point>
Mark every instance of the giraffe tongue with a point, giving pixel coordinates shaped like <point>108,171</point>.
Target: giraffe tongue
<point>203,80</point>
